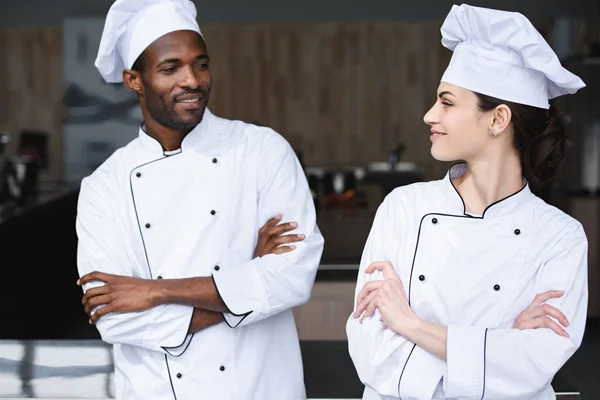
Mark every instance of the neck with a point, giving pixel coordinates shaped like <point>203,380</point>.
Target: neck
<point>170,139</point>
<point>489,180</point>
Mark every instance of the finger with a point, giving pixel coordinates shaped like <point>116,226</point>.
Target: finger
<point>546,309</point>
<point>368,288</point>
<point>100,312</point>
<point>363,304</point>
<point>97,301</point>
<point>384,266</point>
<point>93,292</point>
<point>370,308</point>
<point>270,223</point>
<point>94,276</point>
<point>279,240</point>
<point>281,228</point>
<point>544,297</point>
<point>283,249</point>
<point>550,324</point>
<point>542,322</point>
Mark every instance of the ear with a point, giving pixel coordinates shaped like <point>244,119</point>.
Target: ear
<point>133,80</point>
<point>501,118</point>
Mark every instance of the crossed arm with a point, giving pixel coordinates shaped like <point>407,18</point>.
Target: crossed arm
<point>396,353</point>
<point>128,294</point>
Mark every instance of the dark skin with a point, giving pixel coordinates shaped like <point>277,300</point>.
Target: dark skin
<point>176,72</point>
<point>173,88</point>
<point>129,294</point>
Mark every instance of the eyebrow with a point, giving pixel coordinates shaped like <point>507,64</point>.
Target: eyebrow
<point>203,57</point>
<point>442,94</point>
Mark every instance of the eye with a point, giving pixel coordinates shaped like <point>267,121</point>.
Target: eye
<point>202,66</point>
<point>169,70</point>
<point>446,104</point>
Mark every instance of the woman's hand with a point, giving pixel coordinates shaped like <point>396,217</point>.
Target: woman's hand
<point>387,296</point>
<point>538,314</point>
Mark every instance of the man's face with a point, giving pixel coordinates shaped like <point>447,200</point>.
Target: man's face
<point>176,80</point>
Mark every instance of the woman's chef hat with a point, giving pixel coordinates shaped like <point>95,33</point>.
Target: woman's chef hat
<point>501,54</point>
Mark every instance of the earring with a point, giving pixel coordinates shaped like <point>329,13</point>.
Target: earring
<point>492,133</point>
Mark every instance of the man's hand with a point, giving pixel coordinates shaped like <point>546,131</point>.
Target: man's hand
<point>118,294</point>
<point>128,294</point>
<point>538,314</point>
<point>271,238</point>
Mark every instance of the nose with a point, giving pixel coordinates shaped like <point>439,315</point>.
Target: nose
<point>190,79</point>
<point>431,118</point>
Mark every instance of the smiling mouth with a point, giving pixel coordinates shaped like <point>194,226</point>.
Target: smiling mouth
<point>190,100</point>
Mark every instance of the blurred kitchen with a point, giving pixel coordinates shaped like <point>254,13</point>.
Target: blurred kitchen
<point>346,83</point>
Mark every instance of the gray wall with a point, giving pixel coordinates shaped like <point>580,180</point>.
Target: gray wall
<point>52,12</point>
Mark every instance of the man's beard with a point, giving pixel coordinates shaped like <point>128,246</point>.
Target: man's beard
<point>165,113</point>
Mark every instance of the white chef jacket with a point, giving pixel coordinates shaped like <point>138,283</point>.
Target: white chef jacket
<point>474,275</point>
<point>197,213</point>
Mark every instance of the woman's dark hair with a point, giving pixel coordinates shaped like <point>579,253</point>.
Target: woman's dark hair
<point>539,137</point>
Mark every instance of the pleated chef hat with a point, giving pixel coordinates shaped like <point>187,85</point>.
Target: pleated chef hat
<point>501,54</point>
<point>132,25</point>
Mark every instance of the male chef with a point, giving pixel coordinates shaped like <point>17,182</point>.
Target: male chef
<point>197,304</point>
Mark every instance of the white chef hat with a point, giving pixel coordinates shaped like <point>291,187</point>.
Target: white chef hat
<point>132,25</point>
<point>501,54</point>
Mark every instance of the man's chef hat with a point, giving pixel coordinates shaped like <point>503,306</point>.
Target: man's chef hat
<point>501,54</point>
<point>132,25</point>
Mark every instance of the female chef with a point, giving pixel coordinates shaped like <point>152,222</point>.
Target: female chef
<point>456,273</point>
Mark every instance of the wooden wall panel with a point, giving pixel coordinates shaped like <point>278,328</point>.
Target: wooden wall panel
<point>31,88</point>
<point>343,93</point>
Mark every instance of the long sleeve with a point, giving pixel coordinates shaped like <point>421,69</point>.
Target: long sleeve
<point>101,248</point>
<point>381,356</point>
<point>513,364</point>
<point>273,283</point>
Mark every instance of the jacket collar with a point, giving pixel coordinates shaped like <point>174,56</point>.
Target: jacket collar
<point>501,208</point>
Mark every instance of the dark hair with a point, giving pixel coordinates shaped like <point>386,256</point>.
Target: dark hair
<point>140,64</point>
<point>539,137</point>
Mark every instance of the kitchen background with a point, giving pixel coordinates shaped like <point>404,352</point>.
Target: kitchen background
<point>347,83</point>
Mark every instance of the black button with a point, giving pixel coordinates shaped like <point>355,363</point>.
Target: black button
<point>138,174</point>
<point>214,160</point>
<point>222,368</point>
<point>496,287</point>
<point>213,212</point>
<point>217,268</point>
<point>517,231</point>
<point>179,376</point>
<point>421,278</point>
<point>434,220</point>
<point>159,277</point>
<point>147,225</point>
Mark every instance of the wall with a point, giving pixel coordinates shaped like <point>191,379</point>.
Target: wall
<point>45,12</point>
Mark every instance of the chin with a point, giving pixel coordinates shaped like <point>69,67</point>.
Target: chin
<point>442,154</point>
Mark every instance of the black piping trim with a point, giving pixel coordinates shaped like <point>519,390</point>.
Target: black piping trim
<point>484,364</point>
<point>170,379</point>
<point>230,312</point>
<point>146,252</point>
<point>188,345</point>
<point>403,368</point>
<point>411,275</point>
<point>488,207</point>
<point>137,217</point>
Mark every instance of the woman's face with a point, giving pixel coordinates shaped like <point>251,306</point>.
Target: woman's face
<point>459,131</point>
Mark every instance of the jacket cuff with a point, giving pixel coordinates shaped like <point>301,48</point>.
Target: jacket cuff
<point>465,372</point>
<point>421,375</point>
<point>241,290</point>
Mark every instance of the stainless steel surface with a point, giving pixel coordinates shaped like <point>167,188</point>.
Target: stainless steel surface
<point>73,369</point>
